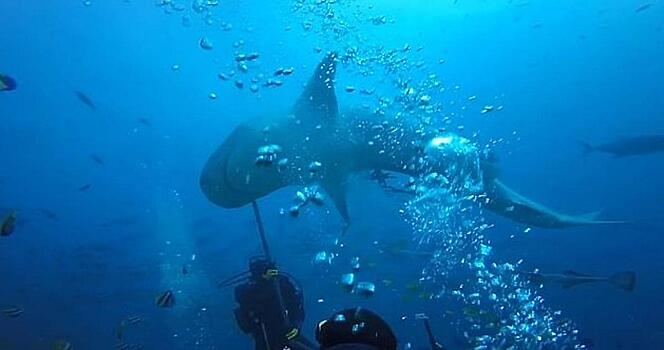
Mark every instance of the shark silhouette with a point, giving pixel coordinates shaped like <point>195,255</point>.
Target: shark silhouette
<point>316,143</point>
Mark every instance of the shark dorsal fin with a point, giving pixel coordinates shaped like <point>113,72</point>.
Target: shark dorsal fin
<point>318,100</point>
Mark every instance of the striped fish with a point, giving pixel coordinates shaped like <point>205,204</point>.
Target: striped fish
<point>133,320</point>
<point>166,299</point>
<point>12,312</point>
<point>129,321</point>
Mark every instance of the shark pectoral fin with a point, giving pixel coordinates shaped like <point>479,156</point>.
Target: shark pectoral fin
<point>510,204</point>
<point>335,187</point>
<point>318,100</point>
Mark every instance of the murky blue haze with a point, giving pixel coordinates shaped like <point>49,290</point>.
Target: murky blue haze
<point>81,261</point>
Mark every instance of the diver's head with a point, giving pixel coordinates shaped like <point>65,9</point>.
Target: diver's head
<point>355,329</point>
<point>260,266</point>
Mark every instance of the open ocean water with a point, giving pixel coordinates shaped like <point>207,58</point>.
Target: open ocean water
<point>111,109</point>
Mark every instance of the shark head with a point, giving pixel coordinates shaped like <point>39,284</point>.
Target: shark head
<point>233,175</point>
<point>231,178</point>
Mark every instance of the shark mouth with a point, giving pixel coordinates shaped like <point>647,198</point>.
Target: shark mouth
<point>216,185</point>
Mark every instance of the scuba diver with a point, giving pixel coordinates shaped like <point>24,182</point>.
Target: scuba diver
<point>270,303</point>
<point>270,306</point>
<point>271,310</point>
<point>259,314</point>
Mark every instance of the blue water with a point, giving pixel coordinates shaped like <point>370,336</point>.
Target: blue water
<point>564,71</point>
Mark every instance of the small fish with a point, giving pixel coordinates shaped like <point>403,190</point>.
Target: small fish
<point>63,345</point>
<point>642,8</point>
<point>133,320</point>
<point>205,44</point>
<point>85,99</point>
<point>49,214</point>
<point>471,311</point>
<point>85,187</point>
<point>413,287</point>
<point>587,343</point>
<point>184,270</point>
<point>7,83</point>
<point>252,56</point>
<point>8,223</point>
<point>166,299</point>
<point>145,121</point>
<point>273,83</point>
<point>12,312</point>
<point>97,159</point>
<point>129,321</point>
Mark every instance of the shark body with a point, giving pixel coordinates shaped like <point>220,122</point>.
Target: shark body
<point>625,280</point>
<point>634,146</point>
<point>317,143</point>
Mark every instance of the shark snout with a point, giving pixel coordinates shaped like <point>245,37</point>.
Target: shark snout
<point>215,185</point>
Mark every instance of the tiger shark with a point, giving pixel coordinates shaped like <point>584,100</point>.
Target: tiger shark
<point>316,143</point>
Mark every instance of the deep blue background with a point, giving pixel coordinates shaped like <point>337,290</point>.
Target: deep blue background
<point>564,70</point>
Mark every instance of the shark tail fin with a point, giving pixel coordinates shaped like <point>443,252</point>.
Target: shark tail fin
<point>625,280</point>
<point>586,148</point>
<point>594,218</point>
